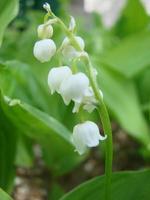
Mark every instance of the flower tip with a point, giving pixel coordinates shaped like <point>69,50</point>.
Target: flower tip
<point>47,7</point>
<point>72,24</point>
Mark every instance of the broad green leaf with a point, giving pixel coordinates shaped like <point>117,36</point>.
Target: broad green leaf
<point>24,157</point>
<point>8,10</point>
<point>8,139</point>
<point>15,84</point>
<point>4,196</point>
<point>133,19</point>
<point>125,186</point>
<point>130,56</point>
<point>143,83</point>
<point>47,131</point>
<point>121,98</point>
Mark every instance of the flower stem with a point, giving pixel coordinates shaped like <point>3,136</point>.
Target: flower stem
<point>101,109</point>
<point>107,131</point>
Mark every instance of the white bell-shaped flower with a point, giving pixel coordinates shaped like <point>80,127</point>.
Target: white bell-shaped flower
<point>74,87</point>
<point>69,51</point>
<point>44,50</point>
<point>56,76</point>
<point>45,31</point>
<point>86,135</point>
<point>89,101</point>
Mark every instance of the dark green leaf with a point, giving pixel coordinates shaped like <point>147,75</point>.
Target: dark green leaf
<point>8,139</point>
<point>24,157</point>
<point>125,186</point>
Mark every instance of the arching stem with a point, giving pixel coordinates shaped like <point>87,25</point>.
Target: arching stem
<point>101,109</point>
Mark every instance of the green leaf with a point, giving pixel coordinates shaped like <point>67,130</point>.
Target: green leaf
<point>133,19</point>
<point>130,56</point>
<point>4,196</point>
<point>143,83</point>
<point>24,157</point>
<point>8,10</point>
<point>121,98</point>
<point>125,186</point>
<point>47,131</point>
<point>8,139</point>
<point>15,84</point>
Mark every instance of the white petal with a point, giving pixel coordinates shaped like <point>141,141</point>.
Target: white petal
<point>89,100</point>
<point>89,107</point>
<point>78,142</point>
<point>56,76</point>
<point>69,51</point>
<point>91,134</point>
<point>74,87</point>
<point>79,40</point>
<point>44,49</point>
<point>66,99</point>
<point>76,107</point>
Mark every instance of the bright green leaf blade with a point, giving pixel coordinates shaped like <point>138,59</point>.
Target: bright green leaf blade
<point>131,56</point>
<point>4,196</point>
<point>15,84</point>
<point>50,133</point>
<point>24,157</point>
<point>121,98</point>
<point>8,10</point>
<point>134,18</point>
<point>125,186</point>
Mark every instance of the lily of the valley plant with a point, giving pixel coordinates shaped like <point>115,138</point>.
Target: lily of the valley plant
<point>76,86</point>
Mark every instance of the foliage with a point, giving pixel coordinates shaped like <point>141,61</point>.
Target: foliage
<point>8,10</point>
<point>4,196</point>
<point>124,186</point>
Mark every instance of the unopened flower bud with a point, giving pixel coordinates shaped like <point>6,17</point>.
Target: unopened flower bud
<point>45,31</point>
<point>56,76</point>
<point>47,7</point>
<point>86,135</point>
<point>44,49</point>
<point>74,87</point>
<point>72,24</point>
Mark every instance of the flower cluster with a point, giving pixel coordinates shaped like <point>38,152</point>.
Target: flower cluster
<point>71,86</point>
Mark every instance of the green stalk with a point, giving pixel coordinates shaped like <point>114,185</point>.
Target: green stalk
<point>101,109</point>
<point>107,131</point>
